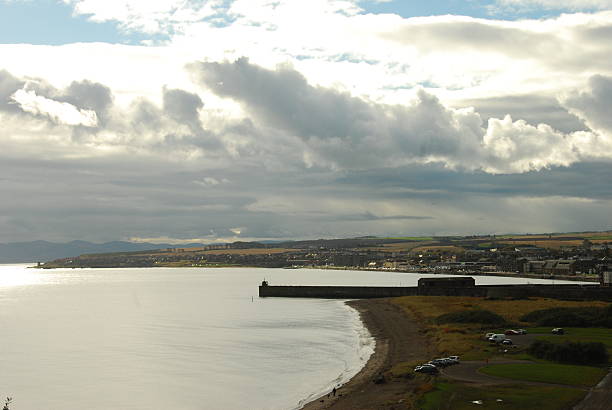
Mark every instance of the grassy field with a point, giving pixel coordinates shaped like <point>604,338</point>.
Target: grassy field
<point>466,339</point>
<point>548,373</point>
<point>576,334</point>
<point>412,238</point>
<point>440,248</point>
<point>455,396</point>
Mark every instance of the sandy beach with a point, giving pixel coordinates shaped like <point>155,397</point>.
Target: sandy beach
<point>398,339</point>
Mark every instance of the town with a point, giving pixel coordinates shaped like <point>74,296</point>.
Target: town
<point>581,256</point>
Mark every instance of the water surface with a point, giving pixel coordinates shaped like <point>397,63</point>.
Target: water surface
<point>177,338</point>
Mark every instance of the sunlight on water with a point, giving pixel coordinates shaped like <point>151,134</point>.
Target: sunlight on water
<point>18,275</point>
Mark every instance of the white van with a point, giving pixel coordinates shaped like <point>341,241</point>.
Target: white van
<point>497,338</point>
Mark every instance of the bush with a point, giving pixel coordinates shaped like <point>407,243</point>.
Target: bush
<point>571,317</point>
<point>472,316</point>
<point>570,352</point>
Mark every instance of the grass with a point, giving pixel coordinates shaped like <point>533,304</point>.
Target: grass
<point>599,237</point>
<point>466,339</point>
<point>411,238</point>
<point>455,396</point>
<point>577,334</point>
<point>548,373</point>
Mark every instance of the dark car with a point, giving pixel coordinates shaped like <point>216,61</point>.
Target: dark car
<point>558,331</point>
<point>428,369</point>
<point>506,342</point>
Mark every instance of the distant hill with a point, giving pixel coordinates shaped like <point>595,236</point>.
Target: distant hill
<point>42,251</point>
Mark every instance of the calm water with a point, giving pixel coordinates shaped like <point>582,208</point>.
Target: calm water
<point>176,338</point>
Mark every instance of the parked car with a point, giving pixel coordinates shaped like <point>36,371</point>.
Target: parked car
<point>558,331</point>
<point>455,358</point>
<point>521,331</point>
<point>511,332</point>
<point>488,336</point>
<point>506,342</point>
<point>440,362</point>
<point>497,338</point>
<point>426,368</point>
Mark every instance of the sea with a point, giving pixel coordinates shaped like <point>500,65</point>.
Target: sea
<point>179,338</point>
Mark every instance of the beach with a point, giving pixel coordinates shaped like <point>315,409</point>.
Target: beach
<point>398,339</point>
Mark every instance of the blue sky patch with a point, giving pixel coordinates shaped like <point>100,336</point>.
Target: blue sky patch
<point>51,22</point>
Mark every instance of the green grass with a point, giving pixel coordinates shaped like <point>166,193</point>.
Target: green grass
<point>455,396</point>
<point>548,373</point>
<point>576,334</point>
<point>411,238</point>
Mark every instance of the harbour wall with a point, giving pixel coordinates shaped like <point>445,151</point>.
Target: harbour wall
<point>565,291</point>
<point>336,292</point>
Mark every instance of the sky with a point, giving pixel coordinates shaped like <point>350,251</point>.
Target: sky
<point>221,120</point>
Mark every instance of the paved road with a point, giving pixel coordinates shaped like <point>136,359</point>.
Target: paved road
<point>599,397</point>
<point>467,371</point>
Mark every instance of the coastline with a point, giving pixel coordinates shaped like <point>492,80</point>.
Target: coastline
<point>398,339</point>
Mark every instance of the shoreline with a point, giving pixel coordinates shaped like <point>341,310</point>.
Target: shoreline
<point>368,371</point>
<point>574,278</point>
<point>398,339</point>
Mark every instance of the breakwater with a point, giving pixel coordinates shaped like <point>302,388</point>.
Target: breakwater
<point>559,291</point>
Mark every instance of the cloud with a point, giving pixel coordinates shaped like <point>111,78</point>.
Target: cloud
<point>573,5</point>
<point>346,132</point>
<point>370,124</point>
<point>148,16</point>
<point>533,108</point>
<point>59,112</point>
<point>593,104</point>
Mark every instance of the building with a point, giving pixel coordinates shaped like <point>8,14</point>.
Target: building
<point>551,267</point>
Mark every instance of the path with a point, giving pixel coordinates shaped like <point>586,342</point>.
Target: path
<point>599,397</point>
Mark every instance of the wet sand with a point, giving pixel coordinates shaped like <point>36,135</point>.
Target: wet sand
<point>398,339</point>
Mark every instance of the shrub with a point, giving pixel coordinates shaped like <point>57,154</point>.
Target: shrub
<point>570,352</point>
<point>471,316</point>
<point>571,317</point>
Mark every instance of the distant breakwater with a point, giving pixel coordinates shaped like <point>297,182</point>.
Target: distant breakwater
<point>555,291</point>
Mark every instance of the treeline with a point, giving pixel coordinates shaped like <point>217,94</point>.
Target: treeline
<point>571,317</point>
<point>570,352</point>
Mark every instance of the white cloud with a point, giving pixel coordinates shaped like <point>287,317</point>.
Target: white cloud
<point>556,4</point>
<point>59,112</point>
<point>148,16</point>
